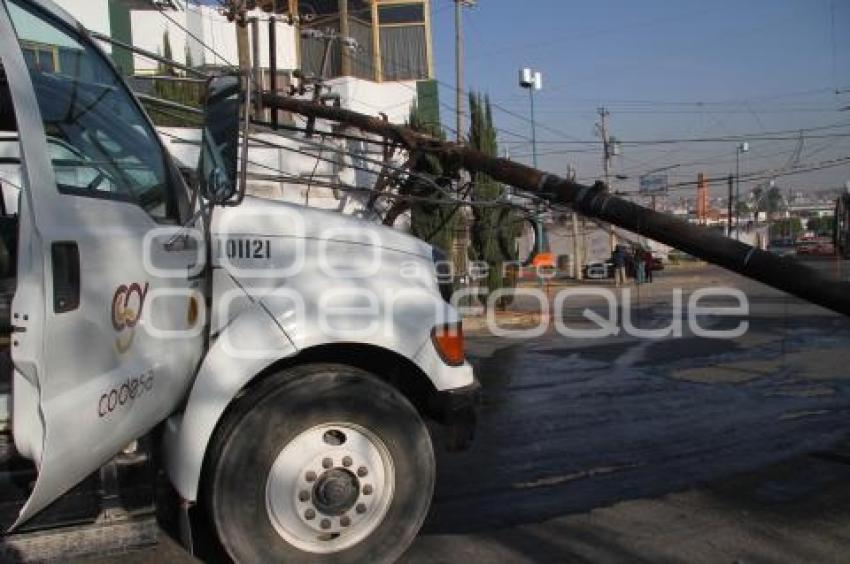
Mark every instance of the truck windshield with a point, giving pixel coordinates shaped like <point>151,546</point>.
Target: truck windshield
<point>107,148</point>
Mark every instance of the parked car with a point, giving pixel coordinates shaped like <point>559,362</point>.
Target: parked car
<point>599,270</point>
<point>816,248</point>
<point>657,264</point>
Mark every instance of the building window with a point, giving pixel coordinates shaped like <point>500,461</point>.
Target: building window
<point>399,52</point>
<point>401,14</point>
<point>361,60</point>
<point>40,57</point>
<point>404,41</point>
<point>404,54</point>
<point>314,51</point>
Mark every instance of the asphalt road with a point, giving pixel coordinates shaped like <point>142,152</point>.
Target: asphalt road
<point>681,449</point>
<point>570,426</point>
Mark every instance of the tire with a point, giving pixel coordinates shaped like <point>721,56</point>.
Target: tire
<point>313,429</point>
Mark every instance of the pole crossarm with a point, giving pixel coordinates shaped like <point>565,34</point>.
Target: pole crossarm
<point>595,201</point>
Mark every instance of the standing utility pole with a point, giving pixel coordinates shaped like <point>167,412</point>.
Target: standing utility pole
<point>459,68</point>
<point>459,5</point>
<point>273,65</point>
<point>741,148</point>
<point>255,58</point>
<point>531,80</point>
<point>578,233</point>
<point>243,43</point>
<point>608,152</point>
<point>729,217</point>
<point>606,146</point>
<point>533,129</point>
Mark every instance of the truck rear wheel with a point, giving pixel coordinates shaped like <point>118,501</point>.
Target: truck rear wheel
<point>320,463</point>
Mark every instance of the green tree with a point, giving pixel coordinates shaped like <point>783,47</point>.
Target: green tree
<point>821,226</point>
<point>774,201</point>
<point>769,202</point>
<point>757,194</point>
<point>494,226</point>
<point>433,221</point>
<point>786,228</point>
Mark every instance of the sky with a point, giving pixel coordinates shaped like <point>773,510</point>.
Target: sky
<point>664,69</point>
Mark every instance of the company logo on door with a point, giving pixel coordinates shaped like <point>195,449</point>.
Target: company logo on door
<point>124,394</point>
<point>127,305</point>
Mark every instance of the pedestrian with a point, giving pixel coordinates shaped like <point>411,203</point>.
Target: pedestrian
<point>650,262</point>
<point>619,260</point>
<point>640,266</point>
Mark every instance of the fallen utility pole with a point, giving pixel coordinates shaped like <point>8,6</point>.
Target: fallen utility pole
<point>597,202</point>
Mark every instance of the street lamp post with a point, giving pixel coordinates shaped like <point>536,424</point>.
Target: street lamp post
<point>742,147</point>
<point>532,80</point>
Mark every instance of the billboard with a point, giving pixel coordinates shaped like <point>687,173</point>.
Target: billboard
<point>651,184</point>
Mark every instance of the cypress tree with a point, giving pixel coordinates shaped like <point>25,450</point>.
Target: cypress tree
<point>434,222</point>
<point>494,227</point>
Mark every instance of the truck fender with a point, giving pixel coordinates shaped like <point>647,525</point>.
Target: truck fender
<point>228,367</point>
<point>244,348</point>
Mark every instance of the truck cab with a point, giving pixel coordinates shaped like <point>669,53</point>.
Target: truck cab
<point>274,365</point>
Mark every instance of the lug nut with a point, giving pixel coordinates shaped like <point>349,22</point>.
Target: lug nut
<point>367,489</point>
<point>304,495</point>
<point>346,461</point>
<point>310,514</point>
<point>325,524</point>
<point>361,472</point>
<point>361,508</point>
<point>344,521</point>
<point>327,463</point>
<point>310,476</point>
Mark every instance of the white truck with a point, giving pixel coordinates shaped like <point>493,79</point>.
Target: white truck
<point>276,365</point>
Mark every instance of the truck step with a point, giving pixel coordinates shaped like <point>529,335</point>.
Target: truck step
<point>6,369</point>
<point>78,542</point>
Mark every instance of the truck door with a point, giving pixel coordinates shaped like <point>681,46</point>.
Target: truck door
<point>107,332</point>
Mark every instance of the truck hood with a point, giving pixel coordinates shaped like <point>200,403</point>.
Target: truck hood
<point>257,217</point>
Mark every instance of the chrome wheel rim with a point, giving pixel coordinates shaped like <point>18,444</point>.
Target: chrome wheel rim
<point>330,487</point>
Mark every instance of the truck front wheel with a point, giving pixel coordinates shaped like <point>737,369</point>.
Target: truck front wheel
<point>320,463</point>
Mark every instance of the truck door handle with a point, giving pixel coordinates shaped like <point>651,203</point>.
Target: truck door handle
<point>66,276</point>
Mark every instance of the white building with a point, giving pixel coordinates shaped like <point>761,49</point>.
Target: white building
<point>385,66</point>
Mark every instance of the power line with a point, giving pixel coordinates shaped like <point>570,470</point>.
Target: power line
<point>767,136</point>
<point>400,64</point>
<point>290,178</point>
<point>767,174</point>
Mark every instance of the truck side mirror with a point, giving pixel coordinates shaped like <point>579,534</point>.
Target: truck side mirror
<point>220,139</point>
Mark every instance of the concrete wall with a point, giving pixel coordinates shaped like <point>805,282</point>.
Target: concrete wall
<point>93,14</point>
<point>392,98</point>
<point>216,33</point>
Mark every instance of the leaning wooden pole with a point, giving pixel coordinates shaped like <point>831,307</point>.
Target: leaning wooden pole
<point>594,201</point>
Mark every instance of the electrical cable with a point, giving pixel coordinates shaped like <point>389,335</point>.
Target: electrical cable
<point>287,177</point>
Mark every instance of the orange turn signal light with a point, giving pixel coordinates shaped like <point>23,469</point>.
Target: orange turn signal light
<point>448,340</point>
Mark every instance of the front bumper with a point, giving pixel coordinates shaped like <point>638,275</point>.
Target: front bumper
<point>456,410</point>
